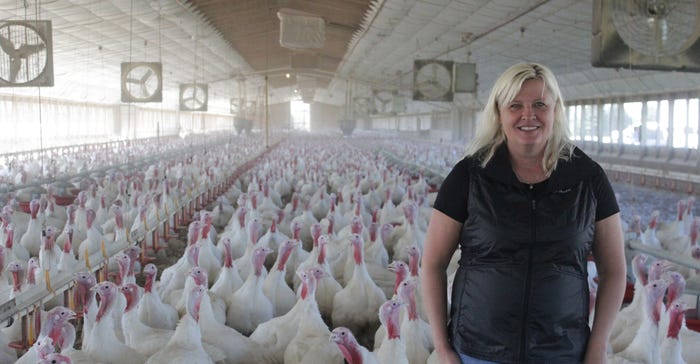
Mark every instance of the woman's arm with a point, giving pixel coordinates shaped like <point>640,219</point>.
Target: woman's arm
<point>609,254</point>
<point>441,241</point>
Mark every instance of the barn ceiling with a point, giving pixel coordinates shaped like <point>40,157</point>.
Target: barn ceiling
<point>369,45</point>
<point>252,28</point>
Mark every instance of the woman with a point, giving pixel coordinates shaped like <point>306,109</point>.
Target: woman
<point>526,208</point>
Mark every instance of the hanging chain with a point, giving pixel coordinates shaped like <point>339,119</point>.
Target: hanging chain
<point>37,65</point>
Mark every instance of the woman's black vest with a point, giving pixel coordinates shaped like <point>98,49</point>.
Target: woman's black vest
<point>521,294</point>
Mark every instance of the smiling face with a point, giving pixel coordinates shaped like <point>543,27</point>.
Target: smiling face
<point>527,120</point>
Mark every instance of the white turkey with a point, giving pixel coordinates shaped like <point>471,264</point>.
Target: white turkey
<point>85,302</point>
<point>671,347</point>
<point>644,347</point>
<point>689,338</point>
<point>49,256</point>
<point>272,238</point>
<point>357,304</point>
<point>198,277</point>
<point>631,315</point>
<point>53,324</point>
<point>31,239</point>
<point>102,343</point>
<point>222,212</point>
<point>275,285</point>
<point>312,259</point>
<point>67,261</point>
<point>236,348</point>
<point>236,231</point>
<point>152,311</point>
<point>70,224</point>
<point>185,346</point>
<point>376,268</point>
<point>389,214</point>
<point>229,280</point>
<point>412,235</point>
<point>93,240</point>
<point>56,358</point>
<point>15,251</point>
<point>353,352</point>
<point>120,239</point>
<point>310,344</point>
<point>18,274</point>
<point>414,331</point>
<point>298,255</point>
<point>137,335</point>
<point>243,263</point>
<point>669,231</point>
<point>649,237</point>
<point>326,285</point>
<point>276,334</point>
<point>306,220</point>
<point>41,348</point>
<point>209,256</point>
<point>393,349</point>
<point>173,277</point>
<point>249,306</point>
<point>414,258</point>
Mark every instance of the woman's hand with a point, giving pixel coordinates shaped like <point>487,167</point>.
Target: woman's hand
<point>449,356</point>
<point>595,357</point>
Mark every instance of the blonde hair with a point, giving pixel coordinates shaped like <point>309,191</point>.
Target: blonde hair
<point>489,133</point>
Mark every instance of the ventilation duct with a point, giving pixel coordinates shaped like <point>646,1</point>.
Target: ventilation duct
<point>299,30</point>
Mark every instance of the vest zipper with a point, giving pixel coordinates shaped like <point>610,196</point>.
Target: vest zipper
<point>526,299</point>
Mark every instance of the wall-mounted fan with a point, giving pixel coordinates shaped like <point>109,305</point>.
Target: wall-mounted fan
<point>361,107</point>
<point>432,80</point>
<point>26,53</point>
<point>382,101</point>
<point>194,96</point>
<point>646,34</point>
<point>142,82</point>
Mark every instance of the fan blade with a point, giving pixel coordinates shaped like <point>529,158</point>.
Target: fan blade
<point>26,50</point>
<point>15,65</point>
<point>144,90</point>
<point>424,82</point>
<point>146,76</point>
<point>7,46</point>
